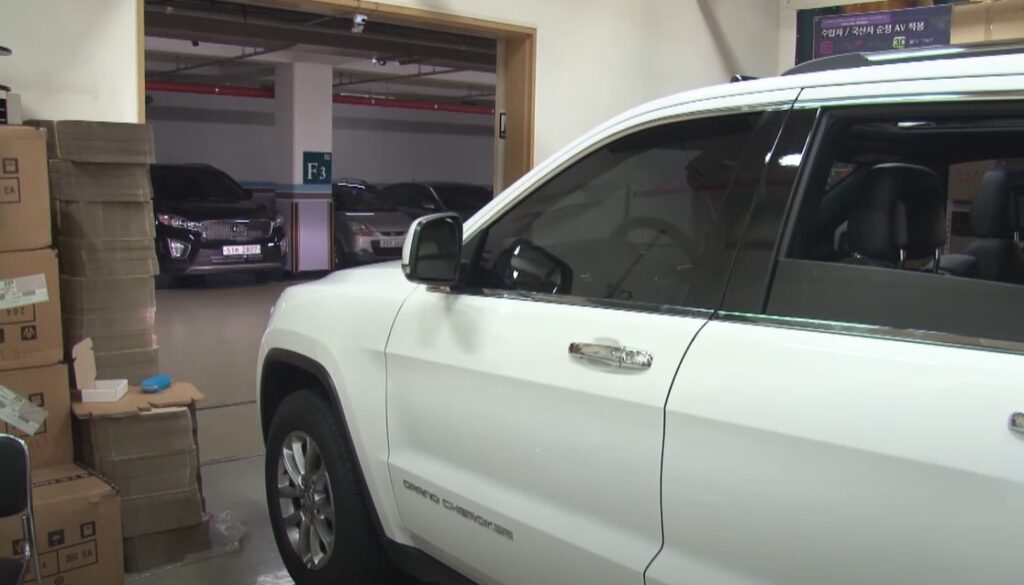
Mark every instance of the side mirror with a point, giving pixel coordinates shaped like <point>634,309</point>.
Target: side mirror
<point>433,249</point>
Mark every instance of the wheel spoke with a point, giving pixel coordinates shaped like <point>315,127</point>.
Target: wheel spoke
<point>299,448</point>
<point>292,469</point>
<point>295,517</point>
<point>320,479</point>
<point>327,510</point>
<point>312,454</point>
<point>290,491</point>
<point>325,532</point>
<point>315,544</point>
<point>305,546</point>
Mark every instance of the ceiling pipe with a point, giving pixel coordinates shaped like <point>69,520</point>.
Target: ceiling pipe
<point>254,92</point>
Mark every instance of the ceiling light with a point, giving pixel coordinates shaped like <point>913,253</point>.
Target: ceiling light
<point>359,23</point>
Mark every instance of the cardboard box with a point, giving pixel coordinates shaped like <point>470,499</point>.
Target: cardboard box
<point>154,474</point>
<point>135,365</point>
<point>90,182</point>
<point>30,327</point>
<point>149,551</point>
<point>83,296</point>
<point>24,190</point>
<point>159,512</point>
<point>157,431</point>
<point>990,21</point>
<point>964,179</point>
<point>108,258</point>
<point>47,388</point>
<point>111,221</point>
<point>112,332</point>
<point>98,142</point>
<point>87,387</point>
<point>78,528</point>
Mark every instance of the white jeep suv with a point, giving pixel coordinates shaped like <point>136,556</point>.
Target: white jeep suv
<point>770,332</point>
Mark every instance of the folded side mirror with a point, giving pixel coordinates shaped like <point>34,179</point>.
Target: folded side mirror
<point>433,249</point>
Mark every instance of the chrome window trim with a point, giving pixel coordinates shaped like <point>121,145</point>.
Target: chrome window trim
<point>951,340</point>
<point>628,129</point>
<point>569,300</point>
<point>897,99</point>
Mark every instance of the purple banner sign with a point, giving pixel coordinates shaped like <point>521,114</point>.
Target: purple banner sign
<point>882,31</point>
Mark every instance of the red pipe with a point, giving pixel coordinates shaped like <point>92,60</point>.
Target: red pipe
<point>253,92</point>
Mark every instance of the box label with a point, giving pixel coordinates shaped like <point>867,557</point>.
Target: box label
<point>20,412</point>
<point>10,190</point>
<point>26,290</point>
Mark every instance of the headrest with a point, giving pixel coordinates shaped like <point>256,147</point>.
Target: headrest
<point>998,210</point>
<point>902,207</point>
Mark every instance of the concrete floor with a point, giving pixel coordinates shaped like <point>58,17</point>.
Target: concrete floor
<point>209,334</point>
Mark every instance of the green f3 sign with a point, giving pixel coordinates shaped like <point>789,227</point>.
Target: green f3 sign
<point>316,168</point>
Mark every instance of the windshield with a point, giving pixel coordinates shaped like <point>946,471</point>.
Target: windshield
<point>196,185</point>
<point>463,197</point>
<point>355,197</point>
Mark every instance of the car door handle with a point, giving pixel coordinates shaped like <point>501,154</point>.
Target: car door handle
<point>621,357</point>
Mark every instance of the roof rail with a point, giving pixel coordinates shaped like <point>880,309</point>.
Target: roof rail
<point>853,60</point>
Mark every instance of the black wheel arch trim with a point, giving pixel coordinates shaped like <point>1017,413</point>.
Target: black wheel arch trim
<point>408,558</point>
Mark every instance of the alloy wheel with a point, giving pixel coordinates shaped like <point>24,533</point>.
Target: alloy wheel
<point>306,503</point>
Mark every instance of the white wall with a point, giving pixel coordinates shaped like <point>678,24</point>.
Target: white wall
<point>596,58</point>
<point>377,144</point>
<point>73,59</point>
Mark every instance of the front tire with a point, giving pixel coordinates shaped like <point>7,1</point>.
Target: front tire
<point>321,522</point>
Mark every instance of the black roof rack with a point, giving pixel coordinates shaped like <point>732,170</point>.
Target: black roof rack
<point>853,60</point>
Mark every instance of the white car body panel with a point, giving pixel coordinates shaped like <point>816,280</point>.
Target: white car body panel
<point>484,407</point>
<point>487,410</point>
<point>342,322</point>
<point>903,445</point>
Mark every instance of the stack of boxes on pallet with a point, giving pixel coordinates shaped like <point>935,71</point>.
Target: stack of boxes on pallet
<point>77,514</point>
<point>103,213</point>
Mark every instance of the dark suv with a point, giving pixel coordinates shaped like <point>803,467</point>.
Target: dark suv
<point>206,222</point>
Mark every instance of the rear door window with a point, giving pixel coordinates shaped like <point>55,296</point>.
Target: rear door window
<point>922,231</point>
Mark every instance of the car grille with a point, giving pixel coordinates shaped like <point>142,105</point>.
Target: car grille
<point>236,230</point>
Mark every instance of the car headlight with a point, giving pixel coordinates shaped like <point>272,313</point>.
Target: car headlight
<point>279,220</point>
<point>361,229</point>
<point>179,222</point>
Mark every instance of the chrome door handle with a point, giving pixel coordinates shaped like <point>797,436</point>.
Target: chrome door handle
<point>1017,422</point>
<point>621,357</point>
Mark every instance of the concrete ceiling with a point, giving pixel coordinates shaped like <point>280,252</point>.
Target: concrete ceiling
<point>226,43</point>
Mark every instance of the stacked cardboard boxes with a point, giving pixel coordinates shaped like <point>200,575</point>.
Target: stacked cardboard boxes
<point>103,212</point>
<point>146,445</point>
<point>77,514</point>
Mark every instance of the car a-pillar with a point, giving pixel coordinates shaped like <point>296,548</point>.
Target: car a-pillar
<point>303,143</point>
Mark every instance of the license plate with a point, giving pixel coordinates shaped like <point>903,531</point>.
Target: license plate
<point>241,250</point>
<point>392,243</point>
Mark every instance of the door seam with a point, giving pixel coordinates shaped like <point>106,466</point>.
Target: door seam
<point>664,432</point>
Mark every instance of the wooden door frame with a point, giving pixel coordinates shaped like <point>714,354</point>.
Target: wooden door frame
<point>517,66</point>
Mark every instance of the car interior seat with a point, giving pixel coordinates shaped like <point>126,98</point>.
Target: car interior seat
<point>997,222</point>
<point>899,217</point>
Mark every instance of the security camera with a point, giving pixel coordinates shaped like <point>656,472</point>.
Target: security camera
<point>359,22</point>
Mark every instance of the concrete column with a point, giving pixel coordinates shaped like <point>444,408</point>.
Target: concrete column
<point>303,145</point>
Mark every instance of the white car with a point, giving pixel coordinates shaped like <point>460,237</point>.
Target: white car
<point>764,333</point>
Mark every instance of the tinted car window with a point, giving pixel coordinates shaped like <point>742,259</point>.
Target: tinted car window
<point>634,221</point>
<point>414,196</point>
<point>462,197</point>
<point>361,198</point>
<point>876,247</point>
<point>187,184</point>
